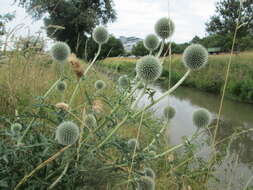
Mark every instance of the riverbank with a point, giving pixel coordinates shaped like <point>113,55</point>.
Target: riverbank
<point>209,79</point>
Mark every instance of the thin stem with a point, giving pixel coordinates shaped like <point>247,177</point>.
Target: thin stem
<point>161,48</point>
<point>93,61</point>
<point>157,136</point>
<point>26,177</point>
<point>139,96</point>
<point>135,148</point>
<point>74,92</point>
<point>32,121</point>
<point>224,88</point>
<point>59,178</point>
<point>112,132</point>
<point>165,94</point>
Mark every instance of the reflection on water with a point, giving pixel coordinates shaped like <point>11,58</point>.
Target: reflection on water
<point>234,116</point>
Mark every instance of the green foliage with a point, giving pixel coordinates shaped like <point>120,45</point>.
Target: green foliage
<point>146,183</point>
<point>90,121</point>
<point>4,19</point>
<point>139,49</point>
<point>113,48</point>
<point>61,86</point>
<point>149,172</point>
<point>222,25</point>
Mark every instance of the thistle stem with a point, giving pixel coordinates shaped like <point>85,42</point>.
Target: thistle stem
<point>161,48</point>
<point>139,97</point>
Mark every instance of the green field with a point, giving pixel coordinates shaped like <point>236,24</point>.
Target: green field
<point>210,79</point>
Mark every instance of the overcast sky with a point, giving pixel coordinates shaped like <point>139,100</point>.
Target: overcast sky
<point>137,17</point>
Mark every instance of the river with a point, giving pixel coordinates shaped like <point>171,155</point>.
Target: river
<point>236,169</point>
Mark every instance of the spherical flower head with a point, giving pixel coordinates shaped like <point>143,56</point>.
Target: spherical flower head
<point>61,86</point>
<point>100,84</point>
<point>124,82</point>
<point>164,28</point>
<point>67,133</point>
<point>195,57</point>
<point>151,42</point>
<point>16,128</point>
<point>90,121</point>
<point>149,172</point>
<point>60,51</point>
<point>132,143</point>
<point>169,112</point>
<point>146,183</point>
<point>148,69</point>
<point>100,35</point>
<point>201,118</point>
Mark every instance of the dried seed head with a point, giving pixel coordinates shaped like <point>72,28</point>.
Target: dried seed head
<point>62,106</point>
<point>97,106</point>
<point>76,66</point>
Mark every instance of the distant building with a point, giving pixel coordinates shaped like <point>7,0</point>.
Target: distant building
<point>129,42</point>
<point>215,50</point>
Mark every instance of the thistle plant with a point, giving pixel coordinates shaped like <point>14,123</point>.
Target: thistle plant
<point>67,133</point>
<point>16,128</point>
<point>195,57</point>
<point>151,42</point>
<point>90,121</point>
<point>60,51</point>
<point>148,69</point>
<point>169,112</point>
<point>146,183</point>
<point>101,151</point>
<point>61,86</point>
<point>149,173</point>
<point>201,118</point>
<point>100,84</point>
<point>100,35</point>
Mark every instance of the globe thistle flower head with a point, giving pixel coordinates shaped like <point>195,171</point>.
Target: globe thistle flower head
<point>195,57</point>
<point>164,28</point>
<point>16,128</point>
<point>100,35</point>
<point>67,133</point>
<point>124,82</point>
<point>148,69</point>
<point>146,183</point>
<point>149,172</point>
<point>61,86</point>
<point>169,112</point>
<point>132,143</point>
<point>90,121</point>
<point>100,84</point>
<point>60,51</point>
<point>151,42</point>
<point>201,118</point>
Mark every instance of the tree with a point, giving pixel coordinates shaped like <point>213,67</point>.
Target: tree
<point>227,14</point>
<point>71,20</point>
<point>139,49</point>
<point>112,48</point>
<point>4,19</point>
